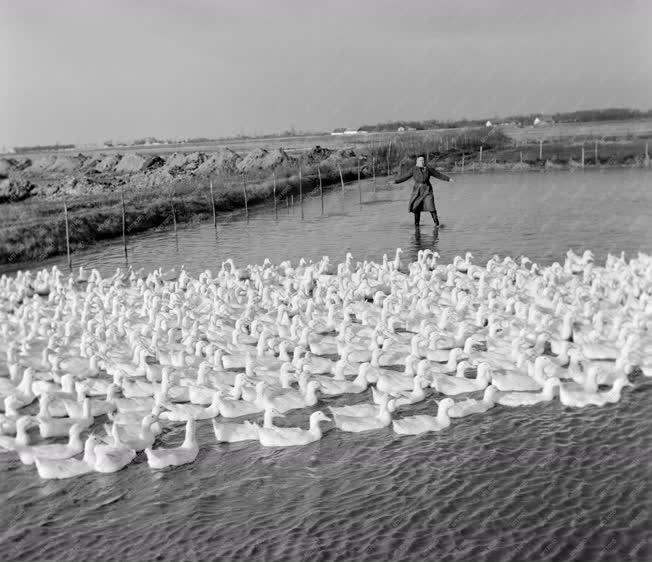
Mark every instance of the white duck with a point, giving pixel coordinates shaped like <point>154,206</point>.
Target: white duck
<point>52,469</point>
<point>111,458</point>
<point>294,399</point>
<point>246,431</point>
<point>458,384</point>
<point>55,450</point>
<point>393,382</point>
<point>382,358</point>
<point>335,387</point>
<point>358,424</point>
<point>417,394</point>
<point>292,436</point>
<point>22,437</point>
<point>176,456</point>
<point>413,425</point>
<point>574,397</point>
<point>509,380</point>
<point>75,409</point>
<point>138,437</point>
<point>470,406</point>
<point>8,419</point>
<point>60,427</point>
<point>526,398</point>
<point>185,412</point>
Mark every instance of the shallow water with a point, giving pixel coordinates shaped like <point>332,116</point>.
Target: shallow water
<point>540,215</point>
<point>536,483</point>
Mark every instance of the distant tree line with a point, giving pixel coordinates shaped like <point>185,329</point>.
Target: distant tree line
<point>586,115</point>
<point>42,147</point>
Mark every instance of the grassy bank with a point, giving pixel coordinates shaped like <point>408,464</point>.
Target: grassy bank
<point>35,229</point>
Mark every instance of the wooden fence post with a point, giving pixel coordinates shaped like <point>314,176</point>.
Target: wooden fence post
<point>65,213</point>
<point>244,191</point>
<point>540,150</point>
<point>174,214</point>
<point>480,153</point>
<point>275,205</point>
<point>595,153</point>
<point>582,156</point>
<point>213,205</point>
<point>462,162</point>
<point>300,190</point>
<point>359,186</point>
<point>341,177</point>
<point>124,220</point>
<point>321,191</point>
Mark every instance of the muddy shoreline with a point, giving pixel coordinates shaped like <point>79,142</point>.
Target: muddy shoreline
<point>163,189</point>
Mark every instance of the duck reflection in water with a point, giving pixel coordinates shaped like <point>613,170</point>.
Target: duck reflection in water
<point>426,241</point>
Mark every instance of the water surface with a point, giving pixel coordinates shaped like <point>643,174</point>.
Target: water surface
<point>540,215</point>
<point>537,483</point>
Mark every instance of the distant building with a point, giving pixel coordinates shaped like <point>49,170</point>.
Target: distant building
<point>406,128</point>
<point>338,131</point>
<point>488,124</point>
<point>543,120</point>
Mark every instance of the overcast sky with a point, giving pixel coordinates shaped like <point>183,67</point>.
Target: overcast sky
<point>85,70</point>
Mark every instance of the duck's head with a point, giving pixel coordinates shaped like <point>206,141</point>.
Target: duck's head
<point>489,393</point>
<point>462,366</point>
<point>11,403</point>
<point>313,386</point>
<point>551,383</point>
<point>445,404</point>
<point>23,423</point>
<point>318,416</point>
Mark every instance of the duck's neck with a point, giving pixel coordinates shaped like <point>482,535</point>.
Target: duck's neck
<point>268,419</point>
<point>191,437</point>
<point>315,429</point>
<point>452,361</point>
<point>22,439</point>
<point>360,380</point>
<point>89,451</point>
<point>311,395</point>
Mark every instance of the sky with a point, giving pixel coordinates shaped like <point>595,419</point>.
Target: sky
<point>83,71</point>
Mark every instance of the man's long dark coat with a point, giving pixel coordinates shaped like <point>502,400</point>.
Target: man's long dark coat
<point>422,198</point>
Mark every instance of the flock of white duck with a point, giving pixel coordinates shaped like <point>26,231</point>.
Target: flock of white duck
<point>144,352</point>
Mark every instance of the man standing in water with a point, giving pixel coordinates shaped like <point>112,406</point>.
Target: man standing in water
<point>422,198</point>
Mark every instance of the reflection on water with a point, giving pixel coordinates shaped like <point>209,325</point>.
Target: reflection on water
<point>540,215</point>
<point>424,238</point>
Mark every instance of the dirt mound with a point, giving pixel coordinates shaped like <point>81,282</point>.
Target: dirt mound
<point>14,189</point>
<point>160,177</point>
<point>224,161</point>
<point>261,159</point>
<point>194,160</point>
<point>188,163</point>
<point>344,158</point>
<point>317,154</point>
<point>91,163</point>
<point>176,162</point>
<point>130,163</point>
<point>153,162</point>
<point>8,165</point>
<point>67,164</point>
<point>108,162</point>
<point>41,163</point>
